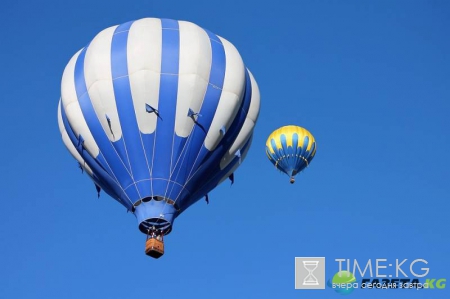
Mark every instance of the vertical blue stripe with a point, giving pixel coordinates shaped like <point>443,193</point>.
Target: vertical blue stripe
<point>305,145</point>
<point>95,127</point>
<point>298,151</point>
<point>310,153</point>
<point>295,151</point>
<point>290,158</point>
<point>211,164</point>
<point>211,182</point>
<point>165,127</point>
<point>148,140</point>
<point>211,101</point>
<point>273,143</point>
<point>125,106</point>
<point>196,152</point>
<point>284,161</point>
<point>103,178</point>
<point>270,155</point>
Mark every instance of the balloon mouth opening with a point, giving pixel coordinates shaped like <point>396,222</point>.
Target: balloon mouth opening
<point>155,224</point>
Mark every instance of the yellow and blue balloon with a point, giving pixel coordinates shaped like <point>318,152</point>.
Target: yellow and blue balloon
<point>291,149</point>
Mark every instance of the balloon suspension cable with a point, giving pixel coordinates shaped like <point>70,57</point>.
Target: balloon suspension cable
<point>161,215</point>
<point>151,232</point>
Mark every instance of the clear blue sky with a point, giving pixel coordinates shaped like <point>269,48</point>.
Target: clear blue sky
<point>370,79</point>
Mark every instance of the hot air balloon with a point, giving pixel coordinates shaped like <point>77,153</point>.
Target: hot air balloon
<point>291,149</point>
<point>158,112</point>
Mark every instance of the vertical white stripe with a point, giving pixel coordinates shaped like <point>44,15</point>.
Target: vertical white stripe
<point>72,107</point>
<point>247,128</point>
<point>232,95</point>
<point>69,145</point>
<point>253,111</point>
<point>194,70</point>
<point>144,67</point>
<point>235,69</point>
<point>233,169</point>
<point>98,76</point>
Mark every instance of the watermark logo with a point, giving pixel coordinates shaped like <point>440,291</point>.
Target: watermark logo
<point>343,282</point>
<point>377,273</point>
<point>309,273</point>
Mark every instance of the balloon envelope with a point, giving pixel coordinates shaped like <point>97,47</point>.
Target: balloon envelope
<point>158,112</point>
<point>291,149</point>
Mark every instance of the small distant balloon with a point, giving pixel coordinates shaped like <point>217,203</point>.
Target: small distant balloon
<point>291,149</point>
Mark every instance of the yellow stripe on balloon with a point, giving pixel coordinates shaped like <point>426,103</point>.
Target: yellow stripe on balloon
<point>289,132</point>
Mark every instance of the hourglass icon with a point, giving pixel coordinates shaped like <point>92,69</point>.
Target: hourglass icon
<point>310,279</point>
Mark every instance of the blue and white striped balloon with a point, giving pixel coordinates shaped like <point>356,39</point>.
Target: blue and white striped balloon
<point>158,112</point>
